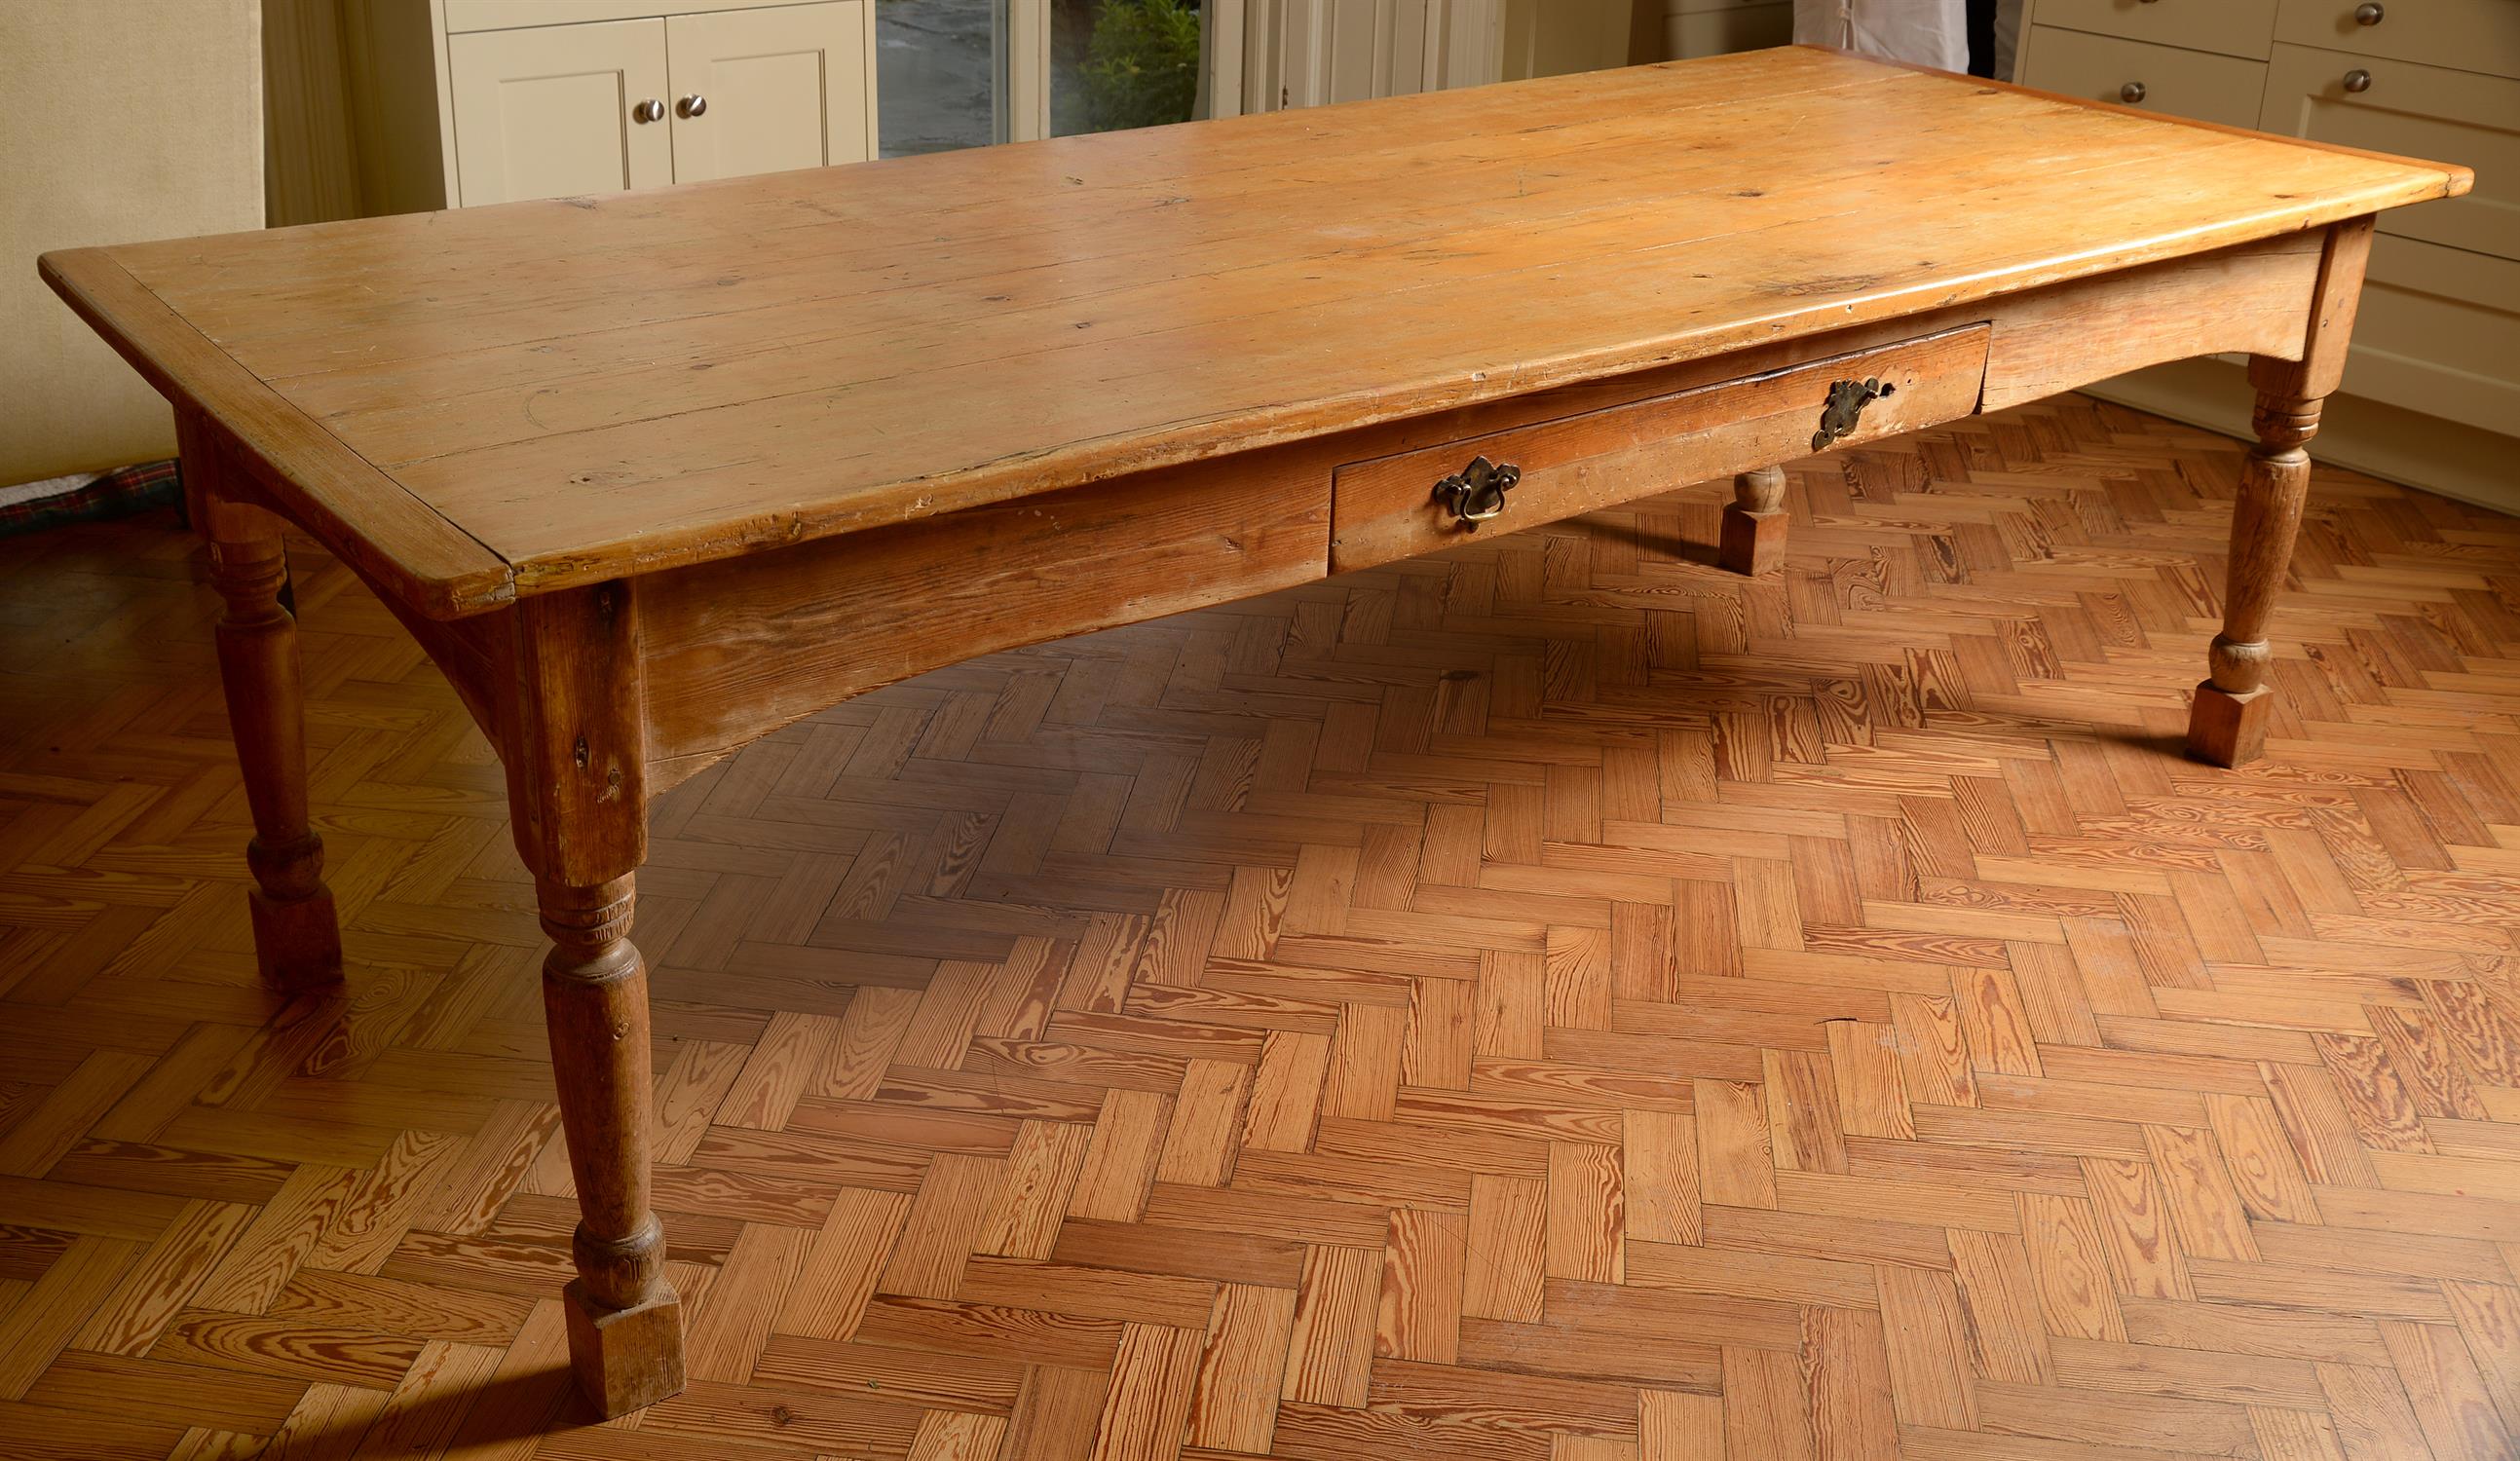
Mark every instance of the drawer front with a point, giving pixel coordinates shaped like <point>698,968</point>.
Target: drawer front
<point>2439,332</point>
<point>2467,35</point>
<point>748,642</point>
<point>2157,78</point>
<point>1386,507</point>
<point>2417,111</point>
<point>2233,27</point>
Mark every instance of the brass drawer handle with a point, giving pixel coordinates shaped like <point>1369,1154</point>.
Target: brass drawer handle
<point>1476,493</point>
<point>1846,402</point>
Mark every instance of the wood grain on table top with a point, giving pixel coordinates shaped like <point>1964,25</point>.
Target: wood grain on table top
<point>511,399</point>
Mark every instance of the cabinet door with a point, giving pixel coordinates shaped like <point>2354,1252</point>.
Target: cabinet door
<point>554,111</point>
<point>768,90</point>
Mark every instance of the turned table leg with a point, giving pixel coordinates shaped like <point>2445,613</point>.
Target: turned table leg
<point>1754,523</point>
<point>296,935</point>
<point>574,743</point>
<point>2227,724</point>
<point>625,1337</point>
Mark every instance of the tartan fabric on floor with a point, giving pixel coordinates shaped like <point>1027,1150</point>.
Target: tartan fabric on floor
<point>114,494</point>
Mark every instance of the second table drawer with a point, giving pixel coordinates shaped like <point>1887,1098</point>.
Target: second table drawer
<point>1389,507</point>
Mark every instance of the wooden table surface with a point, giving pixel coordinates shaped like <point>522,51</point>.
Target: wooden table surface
<point>500,401</point>
<point>686,465</point>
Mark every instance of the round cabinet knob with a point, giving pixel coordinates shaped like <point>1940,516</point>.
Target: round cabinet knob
<point>648,110</point>
<point>693,105</point>
<point>2131,93</point>
<point>2369,15</point>
<point>2357,80</point>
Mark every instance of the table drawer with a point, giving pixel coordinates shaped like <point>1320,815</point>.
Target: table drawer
<point>2467,35</point>
<point>2158,79</point>
<point>1389,507</point>
<point>2235,27</point>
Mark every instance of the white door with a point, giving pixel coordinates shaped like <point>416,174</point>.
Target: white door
<point>1309,52</point>
<point>556,111</point>
<point>772,89</point>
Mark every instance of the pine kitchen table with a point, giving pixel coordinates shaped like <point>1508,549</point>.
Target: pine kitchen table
<point>652,474</point>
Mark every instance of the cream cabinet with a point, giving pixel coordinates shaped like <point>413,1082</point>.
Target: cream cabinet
<point>458,103</point>
<point>2432,390</point>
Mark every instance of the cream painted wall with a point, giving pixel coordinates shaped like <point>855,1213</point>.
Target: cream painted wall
<point>128,119</point>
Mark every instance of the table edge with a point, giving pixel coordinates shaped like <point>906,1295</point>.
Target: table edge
<point>399,542</point>
<point>1079,464</point>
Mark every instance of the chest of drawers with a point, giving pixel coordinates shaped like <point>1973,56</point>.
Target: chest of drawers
<point>2433,388</point>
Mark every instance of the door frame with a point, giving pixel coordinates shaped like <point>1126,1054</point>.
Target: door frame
<point>1023,68</point>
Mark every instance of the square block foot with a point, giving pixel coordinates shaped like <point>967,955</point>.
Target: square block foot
<point>625,1358</point>
<point>1753,543</point>
<point>297,945</point>
<point>2229,729</point>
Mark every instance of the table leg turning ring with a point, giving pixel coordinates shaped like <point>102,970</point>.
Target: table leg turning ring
<point>1754,523</point>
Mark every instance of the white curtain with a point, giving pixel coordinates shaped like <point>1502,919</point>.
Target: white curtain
<point>1929,32</point>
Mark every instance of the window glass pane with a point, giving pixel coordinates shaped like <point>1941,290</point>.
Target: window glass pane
<point>1117,64</point>
<point>940,74</point>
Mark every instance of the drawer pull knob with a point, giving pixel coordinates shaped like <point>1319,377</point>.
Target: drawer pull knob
<point>1476,493</point>
<point>691,105</point>
<point>2357,80</point>
<point>1846,402</point>
<point>2369,15</point>
<point>648,110</point>
<point>2131,93</point>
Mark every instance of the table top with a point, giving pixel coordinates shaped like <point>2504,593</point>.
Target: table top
<point>505,399</point>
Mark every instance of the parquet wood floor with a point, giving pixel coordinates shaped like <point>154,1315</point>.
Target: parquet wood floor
<point>1549,1002</point>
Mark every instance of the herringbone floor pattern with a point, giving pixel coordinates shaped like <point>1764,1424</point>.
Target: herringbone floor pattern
<point>1549,1002</point>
